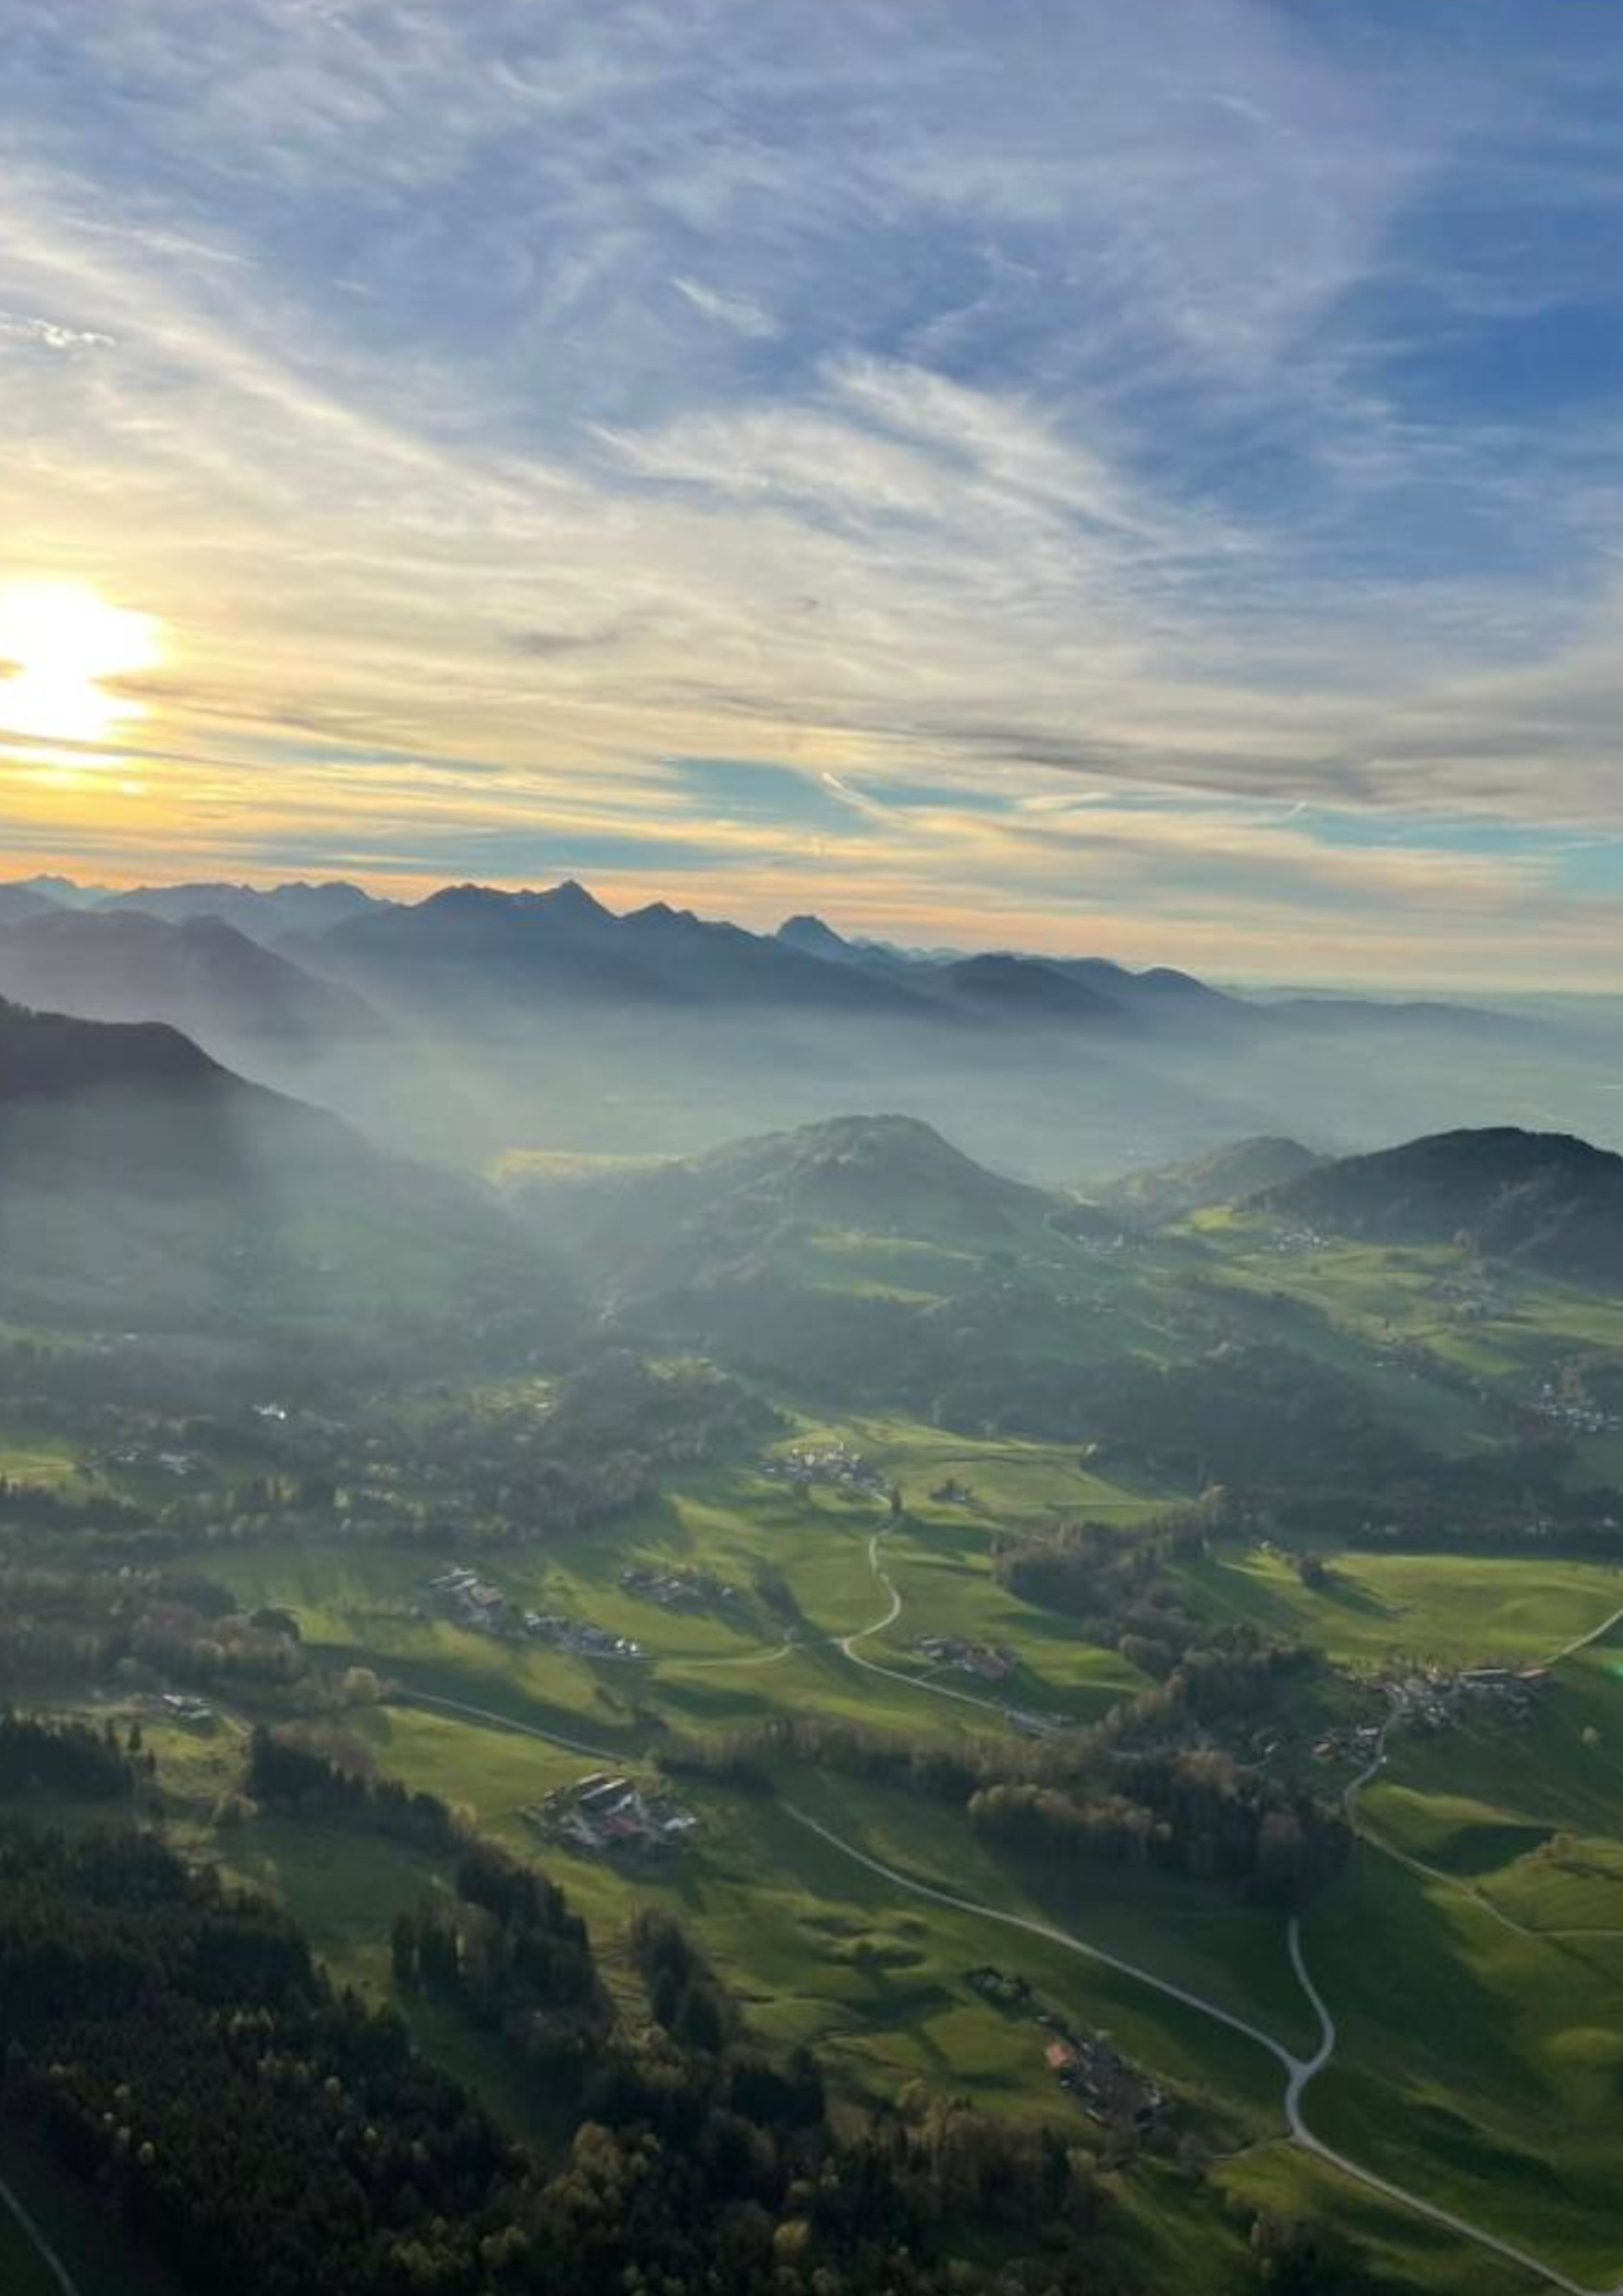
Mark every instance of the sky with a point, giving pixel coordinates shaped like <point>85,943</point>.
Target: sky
<point>1144,480</point>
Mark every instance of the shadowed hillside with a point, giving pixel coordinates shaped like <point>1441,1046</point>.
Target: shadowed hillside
<point>878,1176</point>
<point>201,975</point>
<point>1543,1197</point>
<point>1227,1174</point>
<point>145,1187</point>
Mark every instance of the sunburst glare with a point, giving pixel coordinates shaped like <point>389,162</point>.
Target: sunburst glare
<point>60,644</point>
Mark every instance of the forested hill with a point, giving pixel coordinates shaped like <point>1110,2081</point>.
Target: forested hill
<point>1546,1198</point>
<point>692,1217</point>
<point>145,1187</point>
<point>47,1056</point>
<point>175,2047</point>
<point>1223,1175</point>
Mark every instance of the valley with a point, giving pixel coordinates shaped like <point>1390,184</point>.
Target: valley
<point>1158,1664</point>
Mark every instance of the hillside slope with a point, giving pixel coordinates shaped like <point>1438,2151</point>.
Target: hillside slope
<point>1224,1176</point>
<point>202,976</point>
<point>144,1188</point>
<point>695,1218</point>
<point>1546,1198</point>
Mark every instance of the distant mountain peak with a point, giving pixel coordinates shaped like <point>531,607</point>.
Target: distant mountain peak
<point>573,898</point>
<point>813,937</point>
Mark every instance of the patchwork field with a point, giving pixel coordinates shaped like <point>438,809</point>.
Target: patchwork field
<point>1458,2031</point>
<point>1471,1957</point>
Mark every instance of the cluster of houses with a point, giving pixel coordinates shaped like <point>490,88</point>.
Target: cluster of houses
<point>580,1635</point>
<point>180,1464</point>
<point>1575,1412</point>
<point>984,1658</point>
<point>1356,1743</point>
<point>1285,1243</point>
<point>474,1601</point>
<point>603,1814</point>
<point>1110,2090</point>
<point>1470,1299</point>
<point>836,1465</point>
<point>676,1590</point>
<point>1432,1697</point>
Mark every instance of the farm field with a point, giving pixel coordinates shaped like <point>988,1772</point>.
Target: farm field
<point>1466,2049</point>
<point>1378,1609</point>
<point>1451,2026</point>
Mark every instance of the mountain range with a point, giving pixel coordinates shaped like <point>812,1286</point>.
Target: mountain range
<point>476,952</point>
<point>200,974</point>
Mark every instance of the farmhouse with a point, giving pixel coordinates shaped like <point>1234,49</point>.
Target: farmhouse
<point>603,1812</point>
<point>970,1657</point>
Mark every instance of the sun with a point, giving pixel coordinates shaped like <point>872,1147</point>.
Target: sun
<point>59,643</point>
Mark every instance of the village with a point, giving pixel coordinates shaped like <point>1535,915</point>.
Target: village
<point>1432,1697</point>
<point>603,1812</point>
<point>676,1590</point>
<point>1429,1698</point>
<point>476,1602</point>
<point>834,1465</point>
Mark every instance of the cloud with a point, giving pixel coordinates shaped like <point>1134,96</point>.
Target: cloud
<point>744,318</point>
<point>1029,410</point>
<point>50,334</point>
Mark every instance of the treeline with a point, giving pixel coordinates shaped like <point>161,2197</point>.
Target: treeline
<point>46,1755</point>
<point>141,1629</point>
<point>1121,1583</point>
<point>512,1955</point>
<point>1192,1813</point>
<point>1089,1794</point>
<point>173,2043</point>
<point>292,1778</point>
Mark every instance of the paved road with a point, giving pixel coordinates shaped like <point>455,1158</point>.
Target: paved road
<point>1054,1936</point>
<point>49,2256</point>
<point>1299,2071</point>
<point>508,1722</point>
<point>847,1644</point>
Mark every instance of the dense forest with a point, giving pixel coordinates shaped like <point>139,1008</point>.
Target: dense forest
<point>174,2044</point>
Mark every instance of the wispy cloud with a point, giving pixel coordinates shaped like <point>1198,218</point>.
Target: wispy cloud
<point>743,317</point>
<point>51,334</point>
<point>496,404</point>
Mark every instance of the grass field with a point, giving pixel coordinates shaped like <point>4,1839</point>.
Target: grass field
<point>1480,2002</point>
<point>1455,1610</point>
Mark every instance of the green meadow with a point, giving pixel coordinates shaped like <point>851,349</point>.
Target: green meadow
<point>1471,1954</point>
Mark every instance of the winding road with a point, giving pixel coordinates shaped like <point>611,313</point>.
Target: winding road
<point>47,2254</point>
<point>1299,2071</point>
